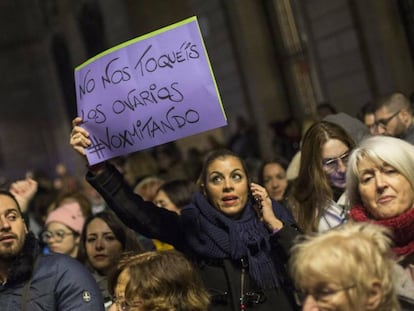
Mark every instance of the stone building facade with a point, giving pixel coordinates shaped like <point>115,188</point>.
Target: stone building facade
<point>273,60</point>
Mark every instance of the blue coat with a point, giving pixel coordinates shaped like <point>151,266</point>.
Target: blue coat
<point>59,283</point>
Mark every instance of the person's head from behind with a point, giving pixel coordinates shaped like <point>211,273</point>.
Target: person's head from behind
<point>137,165</point>
<point>324,109</point>
<point>104,238</point>
<point>272,175</point>
<point>157,281</point>
<point>325,151</point>
<point>167,155</point>
<point>63,228</point>
<point>380,176</point>
<point>347,268</point>
<point>393,115</point>
<point>13,229</point>
<point>147,187</point>
<point>224,181</point>
<point>174,195</point>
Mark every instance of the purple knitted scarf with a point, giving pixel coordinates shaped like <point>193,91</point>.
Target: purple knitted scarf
<point>212,234</point>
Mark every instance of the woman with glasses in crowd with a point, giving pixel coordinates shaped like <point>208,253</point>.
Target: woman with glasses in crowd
<point>63,227</point>
<point>317,197</point>
<point>157,281</point>
<point>349,268</point>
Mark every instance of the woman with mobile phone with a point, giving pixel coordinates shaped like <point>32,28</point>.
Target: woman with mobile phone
<point>241,252</point>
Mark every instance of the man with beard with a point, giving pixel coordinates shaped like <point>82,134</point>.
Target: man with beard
<point>33,281</point>
<point>393,117</point>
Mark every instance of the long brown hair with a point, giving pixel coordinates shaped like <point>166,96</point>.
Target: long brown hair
<point>123,234</point>
<point>161,281</point>
<point>311,190</point>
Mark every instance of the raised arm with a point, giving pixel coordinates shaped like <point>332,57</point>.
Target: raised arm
<point>141,216</point>
<point>24,191</point>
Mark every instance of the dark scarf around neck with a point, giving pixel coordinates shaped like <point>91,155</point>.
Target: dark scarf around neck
<point>21,267</point>
<point>211,234</point>
<point>402,227</point>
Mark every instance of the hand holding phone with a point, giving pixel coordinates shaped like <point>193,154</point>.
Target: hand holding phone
<point>262,205</point>
<point>257,204</point>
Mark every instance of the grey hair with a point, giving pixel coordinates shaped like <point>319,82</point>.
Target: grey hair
<point>394,151</point>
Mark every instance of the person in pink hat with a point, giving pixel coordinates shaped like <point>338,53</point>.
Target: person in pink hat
<point>63,228</point>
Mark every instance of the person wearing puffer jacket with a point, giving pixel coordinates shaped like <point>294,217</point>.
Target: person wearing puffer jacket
<point>32,281</point>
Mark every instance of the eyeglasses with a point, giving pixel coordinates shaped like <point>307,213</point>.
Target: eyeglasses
<point>384,122</point>
<point>371,126</point>
<point>58,235</point>
<point>332,164</point>
<point>322,294</point>
<point>123,305</point>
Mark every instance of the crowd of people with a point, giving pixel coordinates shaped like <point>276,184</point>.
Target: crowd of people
<point>328,228</point>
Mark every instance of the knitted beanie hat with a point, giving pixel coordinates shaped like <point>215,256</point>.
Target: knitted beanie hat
<point>69,214</point>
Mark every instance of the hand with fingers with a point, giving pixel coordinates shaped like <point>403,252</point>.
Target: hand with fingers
<point>79,140</point>
<point>24,191</point>
<point>267,214</point>
<point>79,137</point>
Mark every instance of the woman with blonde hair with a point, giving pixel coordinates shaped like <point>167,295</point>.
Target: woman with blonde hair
<point>380,184</point>
<point>348,268</point>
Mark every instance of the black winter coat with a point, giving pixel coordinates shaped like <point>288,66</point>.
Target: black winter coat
<point>221,277</point>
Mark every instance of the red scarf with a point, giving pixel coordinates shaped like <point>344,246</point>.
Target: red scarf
<point>402,227</point>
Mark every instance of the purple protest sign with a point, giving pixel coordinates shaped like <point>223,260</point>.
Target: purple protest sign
<point>148,91</point>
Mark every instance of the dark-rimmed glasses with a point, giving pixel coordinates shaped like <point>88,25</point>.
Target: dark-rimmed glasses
<point>322,294</point>
<point>59,235</point>
<point>384,122</point>
<point>332,164</point>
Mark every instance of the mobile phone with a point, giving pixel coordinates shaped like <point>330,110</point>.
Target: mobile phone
<point>257,204</point>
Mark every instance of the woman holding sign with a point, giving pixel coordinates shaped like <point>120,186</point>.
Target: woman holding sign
<point>237,236</point>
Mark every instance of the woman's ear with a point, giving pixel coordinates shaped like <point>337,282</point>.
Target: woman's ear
<point>77,240</point>
<point>203,190</point>
<point>374,295</point>
<point>406,116</point>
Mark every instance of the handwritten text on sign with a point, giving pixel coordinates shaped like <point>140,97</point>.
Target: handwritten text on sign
<point>148,91</point>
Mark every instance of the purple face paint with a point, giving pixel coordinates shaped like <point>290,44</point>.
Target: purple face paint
<point>337,179</point>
